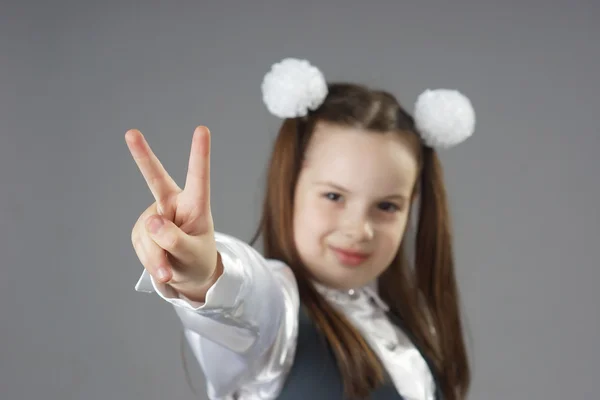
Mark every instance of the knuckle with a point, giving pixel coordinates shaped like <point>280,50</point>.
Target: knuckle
<point>135,238</point>
<point>141,255</point>
<point>136,233</point>
<point>138,226</point>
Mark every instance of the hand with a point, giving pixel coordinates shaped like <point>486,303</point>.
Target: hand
<point>174,237</point>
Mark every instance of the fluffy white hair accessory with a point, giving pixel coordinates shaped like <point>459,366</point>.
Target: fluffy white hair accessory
<point>444,117</point>
<point>293,87</point>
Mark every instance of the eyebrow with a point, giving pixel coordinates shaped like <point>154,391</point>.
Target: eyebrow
<point>397,196</point>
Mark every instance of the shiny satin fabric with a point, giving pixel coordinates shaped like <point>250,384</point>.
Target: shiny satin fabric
<point>244,336</point>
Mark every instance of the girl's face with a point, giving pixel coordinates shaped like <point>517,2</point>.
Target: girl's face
<point>352,203</point>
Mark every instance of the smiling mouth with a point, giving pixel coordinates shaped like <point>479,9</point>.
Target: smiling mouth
<point>349,257</point>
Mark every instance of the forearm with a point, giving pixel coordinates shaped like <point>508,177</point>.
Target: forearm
<point>241,309</point>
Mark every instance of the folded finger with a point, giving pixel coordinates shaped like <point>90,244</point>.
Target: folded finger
<point>169,237</point>
<point>153,258</point>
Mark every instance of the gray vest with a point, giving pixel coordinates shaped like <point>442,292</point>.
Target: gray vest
<point>315,376</point>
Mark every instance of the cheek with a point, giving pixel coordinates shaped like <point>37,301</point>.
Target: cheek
<point>391,237</point>
<point>312,220</point>
<point>316,213</point>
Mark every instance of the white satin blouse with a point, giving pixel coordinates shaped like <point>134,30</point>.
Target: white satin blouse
<point>244,335</point>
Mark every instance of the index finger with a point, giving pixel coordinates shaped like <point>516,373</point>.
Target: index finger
<point>197,183</point>
<point>159,181</point>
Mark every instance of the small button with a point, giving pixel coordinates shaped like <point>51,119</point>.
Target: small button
<point>391,346</point>
<point>353,294</point>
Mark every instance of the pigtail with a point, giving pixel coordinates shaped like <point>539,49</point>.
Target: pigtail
<point>435,277</point>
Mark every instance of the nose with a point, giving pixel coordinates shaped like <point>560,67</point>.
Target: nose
<point>358,229</point>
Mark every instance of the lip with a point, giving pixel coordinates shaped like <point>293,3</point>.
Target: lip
<point>349,257</point>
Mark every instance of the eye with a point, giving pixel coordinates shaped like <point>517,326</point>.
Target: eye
<point>333,196</point>
<point>388,207</point>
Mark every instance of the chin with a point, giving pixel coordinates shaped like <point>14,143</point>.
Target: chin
<point>328,271</point>
<point>347,279</point>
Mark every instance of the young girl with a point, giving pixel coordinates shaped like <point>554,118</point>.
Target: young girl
<point>333,309</point>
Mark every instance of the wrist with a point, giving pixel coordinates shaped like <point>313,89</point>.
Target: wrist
<point>196,292</point>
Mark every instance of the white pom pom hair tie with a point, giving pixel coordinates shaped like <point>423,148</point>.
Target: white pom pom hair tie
<point>293,87</point>
<point>444,117</point>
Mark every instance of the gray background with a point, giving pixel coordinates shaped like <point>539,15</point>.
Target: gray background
<point>74,76</point>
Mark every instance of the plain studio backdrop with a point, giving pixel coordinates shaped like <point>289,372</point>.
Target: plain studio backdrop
<point>75,75</point>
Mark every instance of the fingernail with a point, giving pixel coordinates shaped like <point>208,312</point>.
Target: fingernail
<point>155,224</point>
<point>162,273</point>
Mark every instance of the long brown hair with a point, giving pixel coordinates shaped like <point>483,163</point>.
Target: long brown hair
<point>424,297</point>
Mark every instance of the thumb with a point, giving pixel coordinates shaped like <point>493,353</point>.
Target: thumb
<point>170,237</point>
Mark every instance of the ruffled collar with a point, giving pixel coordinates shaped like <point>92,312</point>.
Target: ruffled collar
<point>362,295</point>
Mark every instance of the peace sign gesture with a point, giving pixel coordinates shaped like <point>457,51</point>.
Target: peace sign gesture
<point>174,237</point>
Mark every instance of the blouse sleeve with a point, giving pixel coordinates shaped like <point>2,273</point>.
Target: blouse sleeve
<point>244,334</point>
